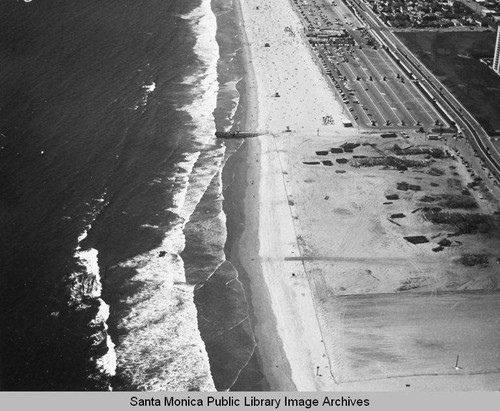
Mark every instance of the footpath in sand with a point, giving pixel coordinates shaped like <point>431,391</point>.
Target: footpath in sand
<point>355,305</point>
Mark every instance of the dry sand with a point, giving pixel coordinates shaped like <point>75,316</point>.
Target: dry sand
<point>287,68</point>
<point>354,314</point>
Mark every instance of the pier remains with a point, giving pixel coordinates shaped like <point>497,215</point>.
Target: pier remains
<point>236,134</point>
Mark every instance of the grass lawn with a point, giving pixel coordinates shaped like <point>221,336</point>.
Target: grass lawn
<point>453,57</point>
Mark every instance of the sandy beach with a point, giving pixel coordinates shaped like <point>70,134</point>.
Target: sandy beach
<point>340,300</point>
<point>281,303</point>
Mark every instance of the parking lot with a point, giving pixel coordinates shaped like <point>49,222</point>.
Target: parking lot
<point>374,90</point>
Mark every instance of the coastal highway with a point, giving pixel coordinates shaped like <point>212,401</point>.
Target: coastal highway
<point>442,99</point>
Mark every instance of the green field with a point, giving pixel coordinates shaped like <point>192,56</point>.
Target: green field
<point>453,57</point>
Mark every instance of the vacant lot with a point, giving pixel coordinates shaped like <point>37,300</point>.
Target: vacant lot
<point>389,335</point>
<point>454,58</point>
<point>393,312</point>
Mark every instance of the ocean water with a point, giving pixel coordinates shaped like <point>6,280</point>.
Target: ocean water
<point>220,296</point>
<point>109,169</point>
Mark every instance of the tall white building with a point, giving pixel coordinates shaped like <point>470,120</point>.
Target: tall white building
<point>496,59</point>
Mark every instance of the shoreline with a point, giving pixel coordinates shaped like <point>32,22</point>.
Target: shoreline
<point>241,186</point>
<point>245,249</point>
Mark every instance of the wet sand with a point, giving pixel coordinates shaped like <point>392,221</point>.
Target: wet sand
<point>268,369</point>
<point>279,328</point>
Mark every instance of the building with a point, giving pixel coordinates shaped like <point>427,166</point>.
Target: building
<point>496,59</point>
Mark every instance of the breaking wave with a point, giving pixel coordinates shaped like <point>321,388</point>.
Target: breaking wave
<point>160,346</point>
<point>85,291</point>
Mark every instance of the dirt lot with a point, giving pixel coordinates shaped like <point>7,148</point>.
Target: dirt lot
<point>389,307</point>
<point>408,334</point>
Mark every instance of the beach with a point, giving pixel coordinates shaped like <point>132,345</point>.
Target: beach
<point>269,234</point>
<point>320,248</point>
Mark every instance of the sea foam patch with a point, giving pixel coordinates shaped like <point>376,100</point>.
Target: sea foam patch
<point>160,347</point>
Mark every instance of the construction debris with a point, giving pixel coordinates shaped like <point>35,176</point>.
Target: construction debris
<point>389,162</point>
<point>458,201</point>
<point>463,222</point>
<point>393,222</point>
<point>349,146</point>
<point>432,152</point>
<point>428,199</point>
<point>403,186</point>
<point>474,259</point>
<point>444,242</point>
<point>435,172</point>
<point>416,239</point>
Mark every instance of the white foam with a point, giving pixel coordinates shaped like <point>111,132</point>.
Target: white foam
<point>150,226</point>
<point>203,105</point>
<point>231,87</point>
<point>82,236</point>
<point>90,278</point>
<point>100,204</point>
<point>106,363</point>
<point>162,320</point>
<point>205,87</point>
<point>86,282</point>
<point>147,88</point>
